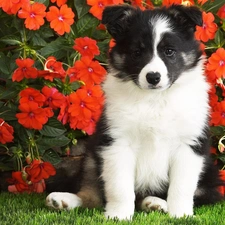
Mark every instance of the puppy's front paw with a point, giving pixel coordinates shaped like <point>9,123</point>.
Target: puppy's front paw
<point>63,200</point>
<point>151,203</point>
<point>119,211</point>
<point>180,210</point>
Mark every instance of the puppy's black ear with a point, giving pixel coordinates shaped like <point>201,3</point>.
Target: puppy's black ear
<point>117,19</point>
<point>186,16</point>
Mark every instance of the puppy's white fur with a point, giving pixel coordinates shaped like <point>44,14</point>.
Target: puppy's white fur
<point>157,148</point>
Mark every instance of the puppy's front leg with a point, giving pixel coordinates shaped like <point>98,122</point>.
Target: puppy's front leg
<point>118,178</point>
<point>185,170</point>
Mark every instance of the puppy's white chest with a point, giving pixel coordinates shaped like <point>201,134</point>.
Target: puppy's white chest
<point>152,164</point>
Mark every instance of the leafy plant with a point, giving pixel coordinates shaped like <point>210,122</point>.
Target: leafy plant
<point>53,56</point>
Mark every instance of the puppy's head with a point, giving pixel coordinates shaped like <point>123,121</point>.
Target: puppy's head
<point>153,47</point>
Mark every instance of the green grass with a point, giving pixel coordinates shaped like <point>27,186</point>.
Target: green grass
<point>30,209</point>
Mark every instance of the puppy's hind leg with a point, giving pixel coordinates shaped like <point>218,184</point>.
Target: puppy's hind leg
<point>89,196</point>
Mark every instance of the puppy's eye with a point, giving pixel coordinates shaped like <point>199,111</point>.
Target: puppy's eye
<point>136,54</point>
<point>169,52</point>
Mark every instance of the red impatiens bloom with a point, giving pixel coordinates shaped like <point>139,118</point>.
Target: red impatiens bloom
<point>33,14</point>
<point>217,63</point>
<point>25,70</point>
<point>213,98</point>
<point>32,116</point>
<point>59,2</point>
<point>208,30</point>
<point>221,12</point>
<point>6,132</point>
<point>90,71</point>
<point>171,2</point>
<point>54,98</point>
<point>39,170</point>
<point>72,74</point>
<point>202,2</point>
<point>97,7</point>
<point>64,114</point>
<point>222,188</point>
<point>218,114</point>
<point>18,183</point>
<point>94,91</point>
<point>53,69</point>
<point>30,94</point>
<point>60,19</point>
<point>86,46</point>
<point>82,106</point>
<point>86,108</point>
<point>12,6</point>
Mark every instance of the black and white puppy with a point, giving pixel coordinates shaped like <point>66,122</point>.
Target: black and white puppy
<point>151,147</point>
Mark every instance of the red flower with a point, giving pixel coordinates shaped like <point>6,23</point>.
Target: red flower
<point>208,29</point>
<point>12,6</point>
<point>6,132</point>
<point>90,71</point>
<point>202,2</point>
<point>39,170</point>
<point>19,184</point>
<point>53,69</point>
<point>86,46</point>
<point>32,116</point>
<point>142,4</point>
<point>86,108</point>
<point>213,98</point>
<point>53,66</point>
<point>63,114</point>
<point>221,12</point>
<point>217,63</point>
<point>97,7</point>
<point>94,91</point>
<point>82,106</point>
<point>30,94</point>
<point>171,2</point>
<point>25,70</point>
<point>72,74</point>
<point>39,187</point>
<point>33,14</point>
<point>60,19</point>
<point>222,188</point>
<point>218,114</point>
<point>59,2</point>
<point>54,98</point>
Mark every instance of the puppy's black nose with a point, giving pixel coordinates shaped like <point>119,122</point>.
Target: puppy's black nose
<point>153,78</point>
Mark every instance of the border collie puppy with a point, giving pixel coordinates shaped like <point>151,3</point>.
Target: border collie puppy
<point>151,146</point>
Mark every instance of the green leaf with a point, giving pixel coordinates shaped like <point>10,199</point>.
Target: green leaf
<point>213,6</point>
<point>7,114</point>
<point>222,158</point>
<point>45,2</point>
<point>219,37</point>
<point>85,23</point>
<point>217,130</point>
<point>52,131</point>
<point>9,93</point>
<point>11,40</point>
<point>51,156</point>
<point>45,143</point>
<point>55,48</point>
<point>6,65</point>
<point>75,85</point>
<point>53,122</point>
<point>81,7</point>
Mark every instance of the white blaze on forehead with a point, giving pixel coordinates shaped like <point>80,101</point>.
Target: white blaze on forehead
<point>160,26</point>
